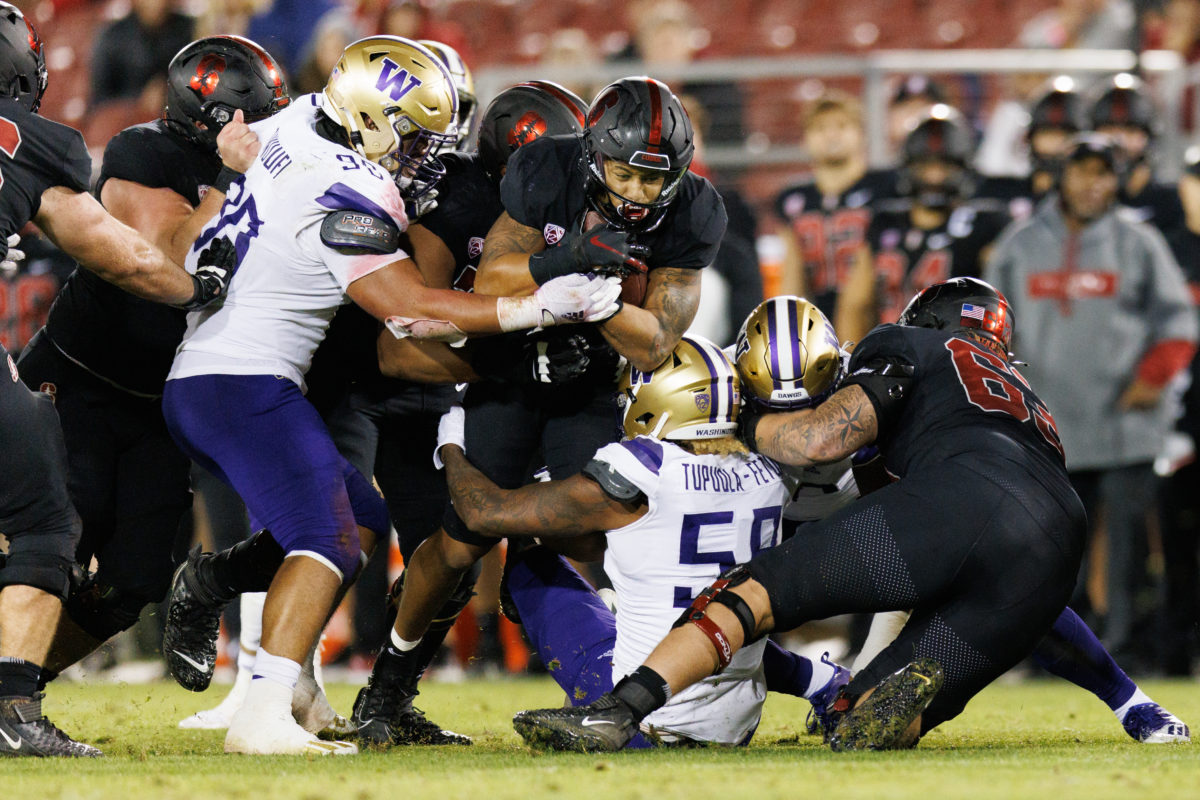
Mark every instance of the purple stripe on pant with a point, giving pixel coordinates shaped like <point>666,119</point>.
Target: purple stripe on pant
<point>258,434</point>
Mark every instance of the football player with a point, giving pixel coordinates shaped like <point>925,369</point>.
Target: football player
<point>676,500</point>
<point>319,215</point>
<point>826,217</point>
<point>788,358</point>
<point>1058,113</point>
<point>620,192</point>
<point>46,175</point>
<point>447,243</point>
<point>930,235</point>
<point>104,353</point>
<point>982,535</point>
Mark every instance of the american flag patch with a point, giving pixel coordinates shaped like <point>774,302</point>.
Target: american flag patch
<point>973,312</point>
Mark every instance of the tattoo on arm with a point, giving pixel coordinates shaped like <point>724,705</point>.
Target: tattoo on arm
<point>672,297</point>
<point>834,430</point>
<point>571,507</point>
<point>508,236</point>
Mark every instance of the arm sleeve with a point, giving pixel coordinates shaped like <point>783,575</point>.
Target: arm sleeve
<point>884,367</point>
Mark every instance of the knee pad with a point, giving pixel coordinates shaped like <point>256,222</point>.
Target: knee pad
<point>697,613</point>
<point>99,610</point>
<point>40,560</point>
<point>370,509</point>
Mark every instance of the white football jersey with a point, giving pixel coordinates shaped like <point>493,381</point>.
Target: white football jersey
<point>706,513</point>
<point>288,283</point>
<point>816,492</point>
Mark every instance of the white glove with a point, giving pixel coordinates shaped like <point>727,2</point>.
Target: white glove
<point>415,209</point>
<point>579,297</point>
<point>12,258</point>
<point>451,430</point>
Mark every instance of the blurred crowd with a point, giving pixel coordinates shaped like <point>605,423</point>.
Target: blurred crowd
<point>1045,185</point>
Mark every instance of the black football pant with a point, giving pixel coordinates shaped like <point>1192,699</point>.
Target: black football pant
<point>36,514</point>
<point>985,558</point>
<point>128,480</point>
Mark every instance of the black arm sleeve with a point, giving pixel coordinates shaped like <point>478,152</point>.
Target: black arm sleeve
<point>885,370</point>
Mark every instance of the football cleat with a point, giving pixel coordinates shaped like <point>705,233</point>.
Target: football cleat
<point>1150,723</point>
<point>880,721</point>
<point>193,623</point>
<point>384,715</point>
<point>25,731</point>
<point>606,725</point>
<point>218,718</point>
<point>254,733</point>
<point>819,716</point>
<point>311,709</point>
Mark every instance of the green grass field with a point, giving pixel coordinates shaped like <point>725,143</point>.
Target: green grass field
<point>1038,739</point>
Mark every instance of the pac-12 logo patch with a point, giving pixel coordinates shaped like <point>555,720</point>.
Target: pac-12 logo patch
<point>475,246</point>
<point>553,233</point>
<point>702,402</point>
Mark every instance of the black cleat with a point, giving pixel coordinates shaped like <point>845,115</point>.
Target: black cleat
<point>604,726</point>
<point>193,622</point>
<point>25,731</point>
<point>880,721</point>
<point>383,711</point>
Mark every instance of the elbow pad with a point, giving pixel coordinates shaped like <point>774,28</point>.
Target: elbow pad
<point>352,232</point>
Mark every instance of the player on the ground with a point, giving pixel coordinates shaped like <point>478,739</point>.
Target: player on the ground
<point>826,217</point>
<point>787,358</point>
<point>572,204</point>
<point>981,535</point>
<point>934,232</point>
<point>46,170</point>
<point>319,215</point>
<point>104,353</point>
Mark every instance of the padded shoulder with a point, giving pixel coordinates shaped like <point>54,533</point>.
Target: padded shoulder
<point>357,231</point>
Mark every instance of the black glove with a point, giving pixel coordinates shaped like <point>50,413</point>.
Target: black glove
<point>748,418</point>
<point>558,359</point>
<point>603,249</point>
<point>214,269</point>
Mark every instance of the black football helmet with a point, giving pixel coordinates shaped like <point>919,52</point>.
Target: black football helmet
<point>213,77</point>
<point>639,122</point>
<point>1124,101</point>
<point>525,112</point>
<point>962,304</point>
<point>22,59</point>
<point>943,135</point>
<point>1059,106</point>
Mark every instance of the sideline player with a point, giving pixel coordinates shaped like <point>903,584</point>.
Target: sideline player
<point>987,564</point>
<point>571,205</point>
<point>104,353</point>
<point>46,172</point>
<point>319,215</point>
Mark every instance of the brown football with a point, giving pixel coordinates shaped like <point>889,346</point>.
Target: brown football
<point>633,288</point>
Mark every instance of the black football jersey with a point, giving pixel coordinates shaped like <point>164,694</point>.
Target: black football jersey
<point>1158,205</point>
<point>36,155</point>
<point>468,205</point>
<point>908,258</point>
<point>1016,195</point>
<point>124,339</point>
<point>544,188</point>
<point>830,229</point>
<point>963,399</point>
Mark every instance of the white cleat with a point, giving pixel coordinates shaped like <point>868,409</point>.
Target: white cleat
<point>218,718</point>
<point>312,711</point>
<point>255,734</point>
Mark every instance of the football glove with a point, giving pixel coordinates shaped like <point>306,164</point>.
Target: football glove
<point>214,270</point>
<point>601,249</point>
<point>578,298</point>
<point>414,209</point>
<point>558,360</point>
<point>10,256</point>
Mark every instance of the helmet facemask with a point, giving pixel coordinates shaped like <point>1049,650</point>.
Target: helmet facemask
<point>621,211</point>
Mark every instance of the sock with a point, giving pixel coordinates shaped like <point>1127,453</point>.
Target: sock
<point>251,607</point>
<point>404,645</point>
<point>1139,697</point>
<point>786,672</point>
<point>248,566</point>
<point>566,622</point>
<point>278,669</point>
<point>1071,651</point>
<point>18,677</point>
<point>643,691</point>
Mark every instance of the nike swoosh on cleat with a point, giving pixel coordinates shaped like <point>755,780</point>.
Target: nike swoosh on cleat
<point>15,745</point>
<point>588,722</point>
<point>200,665</point>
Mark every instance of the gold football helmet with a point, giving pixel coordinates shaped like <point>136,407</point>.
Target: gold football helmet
<point>464,84</point>
<point>787,354</point>
<point>396,101</point>
<point>694,394</point>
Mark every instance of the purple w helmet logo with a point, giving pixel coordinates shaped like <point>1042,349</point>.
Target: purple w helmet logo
<point>395,80</point>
